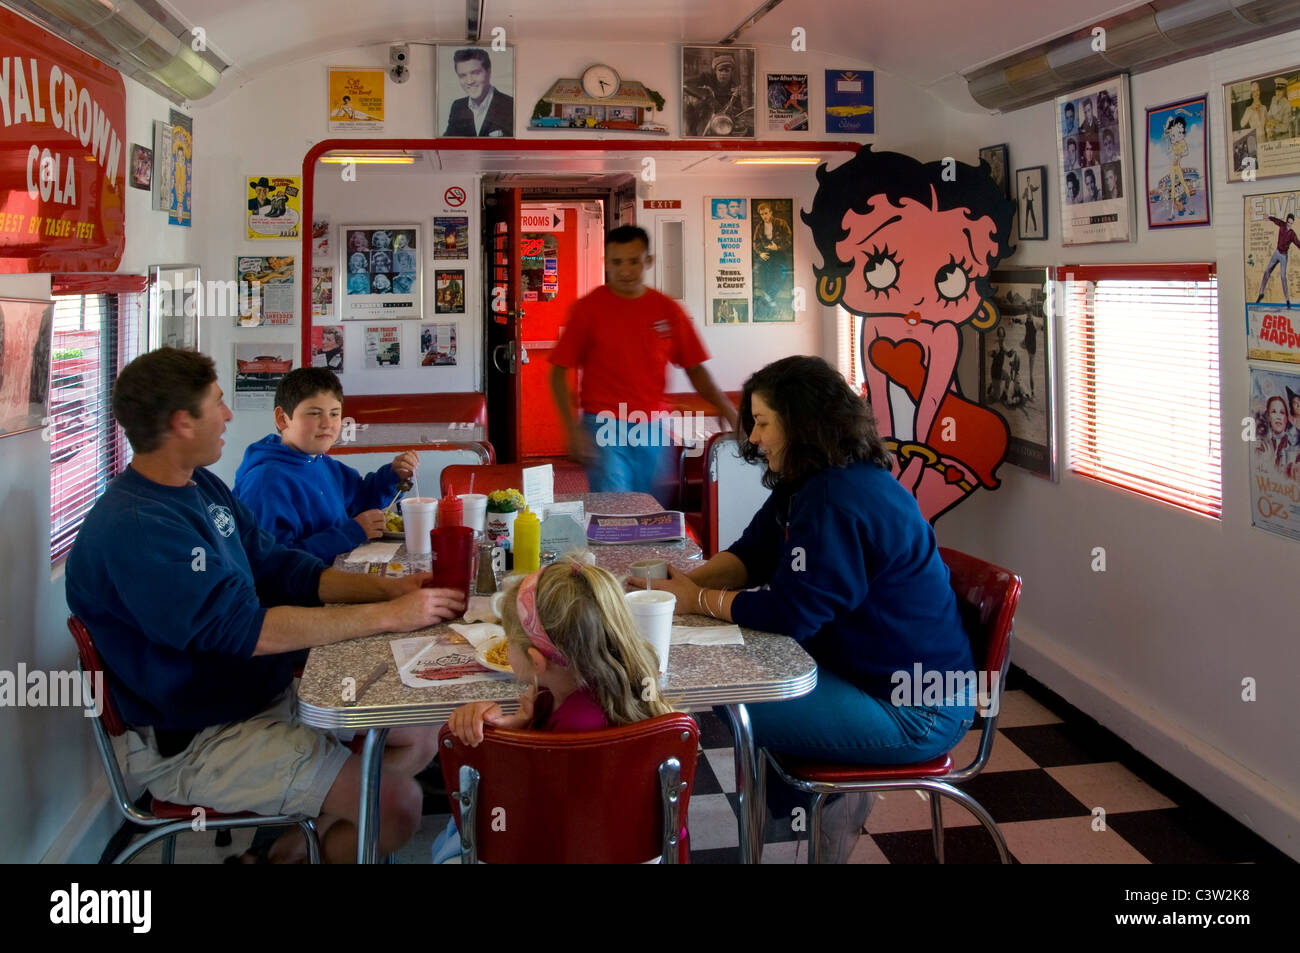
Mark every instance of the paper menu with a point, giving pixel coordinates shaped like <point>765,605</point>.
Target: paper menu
<point>539,487</point>
<point>426,661</point>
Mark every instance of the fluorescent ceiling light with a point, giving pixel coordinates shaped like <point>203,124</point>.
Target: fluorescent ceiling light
<point>779,160</point>
<point>370,160</point>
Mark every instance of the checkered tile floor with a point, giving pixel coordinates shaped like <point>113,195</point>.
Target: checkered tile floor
<point>1050,767</point>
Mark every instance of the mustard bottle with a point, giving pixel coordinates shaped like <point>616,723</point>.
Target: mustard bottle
<point>528,542</point>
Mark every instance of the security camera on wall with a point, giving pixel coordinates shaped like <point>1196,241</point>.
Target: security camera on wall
<point>398,57</point>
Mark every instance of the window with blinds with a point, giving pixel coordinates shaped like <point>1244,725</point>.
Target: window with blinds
<point>94,336</point>
<point>846,348</point>
<point>1143,357</point>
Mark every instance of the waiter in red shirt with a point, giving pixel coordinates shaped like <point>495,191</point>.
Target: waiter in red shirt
<point>621,338</point>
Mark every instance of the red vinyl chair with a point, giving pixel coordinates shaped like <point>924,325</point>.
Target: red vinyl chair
<point>505,476</point>
<point>617,796</point>
<point>166,819</point>
<point>489,477</point>
<point>987,596</point>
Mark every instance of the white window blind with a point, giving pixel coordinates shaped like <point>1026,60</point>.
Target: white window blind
<point>846,348</point>
<point>95,335</point>
<point>1143,343</point>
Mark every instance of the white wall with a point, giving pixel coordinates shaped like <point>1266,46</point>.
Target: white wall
<point>1157,646</point>
<point>54,787</point>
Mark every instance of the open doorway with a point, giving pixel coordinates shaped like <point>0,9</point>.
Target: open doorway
<point>558,240</point>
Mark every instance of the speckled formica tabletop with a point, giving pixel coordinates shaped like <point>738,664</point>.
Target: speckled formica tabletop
<point>766,668</point>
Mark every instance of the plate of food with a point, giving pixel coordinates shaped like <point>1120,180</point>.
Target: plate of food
<point>493,655</point>
<point>393,527</point>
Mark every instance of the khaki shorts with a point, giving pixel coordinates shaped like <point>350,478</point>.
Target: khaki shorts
<point>268,764</point>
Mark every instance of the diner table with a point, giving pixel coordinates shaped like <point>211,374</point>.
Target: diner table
<point>766,668</point>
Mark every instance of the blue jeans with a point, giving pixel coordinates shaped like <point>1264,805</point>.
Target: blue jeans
<point>630,458</point>
<point>839,722</point>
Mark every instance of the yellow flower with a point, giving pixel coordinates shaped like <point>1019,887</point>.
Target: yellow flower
<point>505,501</point>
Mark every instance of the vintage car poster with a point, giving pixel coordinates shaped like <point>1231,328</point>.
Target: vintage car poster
<point>1016,366</point>
<point>265,290</point>
<point>274,206</point>
<point>382,265</point>
<point>1263,135</point>
<point>1274,452</point>
<point>356,100</point>
<point>851,101</point>
<point>259,368</point>
<point>1094,146</point>
<point>1272,276</point>
<point>787,102</point>
<point>383,345</point>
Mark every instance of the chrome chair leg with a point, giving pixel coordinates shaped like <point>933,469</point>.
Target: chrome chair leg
<point>308,828</point>
<point>815,830</point>
<point>169,850</point>
<point>936,823</point>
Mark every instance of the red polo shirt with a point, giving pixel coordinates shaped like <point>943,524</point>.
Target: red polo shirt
<point>622,346</point>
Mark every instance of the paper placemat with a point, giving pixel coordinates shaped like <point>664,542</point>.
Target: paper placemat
<point>373,552</point>
<point>426,661</point>
<point>706,635</point>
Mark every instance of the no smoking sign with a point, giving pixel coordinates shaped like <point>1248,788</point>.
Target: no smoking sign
<point>454,196</point>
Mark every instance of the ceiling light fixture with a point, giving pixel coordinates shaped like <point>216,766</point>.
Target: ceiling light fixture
<point>780,160</point>
<point>369,160</point>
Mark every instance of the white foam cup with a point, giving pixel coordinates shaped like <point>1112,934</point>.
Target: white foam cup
<point>475,511</point>
<point>418,514</point>
<point>648,569</point>
<point>652,611</point>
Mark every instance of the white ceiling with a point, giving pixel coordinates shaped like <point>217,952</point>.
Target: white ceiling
<point>927,42</point>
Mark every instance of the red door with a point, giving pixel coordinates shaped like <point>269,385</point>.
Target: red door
<point>551,248</point>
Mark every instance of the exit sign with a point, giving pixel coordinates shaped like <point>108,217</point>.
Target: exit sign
<point>661,203</point>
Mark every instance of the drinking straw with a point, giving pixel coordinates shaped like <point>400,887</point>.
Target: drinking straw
<point>647,583</point>
<point>415,478</point>
<point>471,483</point>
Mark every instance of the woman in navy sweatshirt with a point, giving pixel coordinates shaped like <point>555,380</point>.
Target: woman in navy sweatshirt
<point>840,558</point>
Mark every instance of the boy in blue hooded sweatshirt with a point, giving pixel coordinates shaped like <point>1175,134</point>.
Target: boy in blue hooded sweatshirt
<point>305,498</point>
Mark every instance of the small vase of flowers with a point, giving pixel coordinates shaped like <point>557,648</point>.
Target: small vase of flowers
<point>503,506</point>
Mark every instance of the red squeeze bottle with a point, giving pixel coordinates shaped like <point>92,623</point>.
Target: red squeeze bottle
<point>451,511</point>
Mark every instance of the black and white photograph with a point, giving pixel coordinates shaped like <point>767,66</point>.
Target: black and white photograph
<point>1095,152</point>
<point>476,88</point>
<point>1016,366</point>
<point>1031,197</point>
<point>999,166</point>
<point>718,92</point>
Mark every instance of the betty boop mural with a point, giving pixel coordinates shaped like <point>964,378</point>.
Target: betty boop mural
<point>908,246</point>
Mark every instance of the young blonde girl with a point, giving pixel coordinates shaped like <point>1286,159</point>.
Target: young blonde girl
<point>570,635</point>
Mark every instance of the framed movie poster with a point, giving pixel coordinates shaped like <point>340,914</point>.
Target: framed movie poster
<point>476,88</point>
<point>1275,452</point>
<point>1177,165</point>
<point>1094,145</point>
<point>718,92</point>
<point>1031,196</point>
<point>175,306</point>
<point>999,166</point>
<point>383,268</point>
<point>25,328</point>
<point>1271,269</point>
<point>449,291</point>
<point>1016,372</point>
<point>1263,134</point>
<point>356,100</point>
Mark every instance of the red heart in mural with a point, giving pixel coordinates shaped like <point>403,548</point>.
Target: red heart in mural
<point>902,362</point>
<point>953,475</point>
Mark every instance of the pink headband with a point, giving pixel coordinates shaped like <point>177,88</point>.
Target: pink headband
<point>532,625</point>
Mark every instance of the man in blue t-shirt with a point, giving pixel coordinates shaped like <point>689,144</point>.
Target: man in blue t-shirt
<point>200,617</point>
